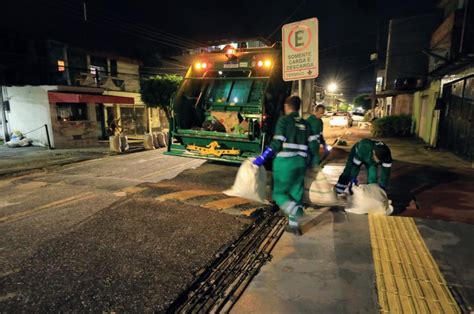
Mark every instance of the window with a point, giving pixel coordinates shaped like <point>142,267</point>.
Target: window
<point>236,91</point>
<point>240,91</point>
<point>71,112</point>
<point>61,66</point>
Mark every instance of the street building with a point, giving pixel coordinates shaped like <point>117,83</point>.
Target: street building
<point>429,74</point>
<point>444,110</point>
<point>81,95</point>
<point>406,66</point>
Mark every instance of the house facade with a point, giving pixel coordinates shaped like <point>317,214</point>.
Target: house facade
<point>406,66</point>
<point>80,95</point>
<point>444,110</point>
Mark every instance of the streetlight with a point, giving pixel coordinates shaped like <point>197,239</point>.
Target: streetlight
<point>332,87</point>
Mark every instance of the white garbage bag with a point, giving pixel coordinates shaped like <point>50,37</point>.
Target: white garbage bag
<point>114,142</point>
<point>250,183</point>
<point>148,141</point>
<point>369,199</point>
<point>124,143</point>
<point>25,142</point>
<point>318,190</point>
<point>162,139</point>
<point>156,143</point>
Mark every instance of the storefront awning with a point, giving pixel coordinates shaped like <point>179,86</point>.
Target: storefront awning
<point>55,97</point>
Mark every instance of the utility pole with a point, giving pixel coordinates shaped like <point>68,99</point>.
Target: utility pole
<point>84,6</point>
<point>3,116</point>
<point>375,59</point>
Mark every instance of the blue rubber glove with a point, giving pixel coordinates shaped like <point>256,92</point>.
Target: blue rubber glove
<point>260,160</point>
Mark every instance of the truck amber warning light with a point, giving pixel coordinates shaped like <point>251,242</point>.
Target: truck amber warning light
<point>200,65</point>
<point>267,63</point>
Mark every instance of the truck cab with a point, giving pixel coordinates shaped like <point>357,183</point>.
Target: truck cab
<point>228,103</point>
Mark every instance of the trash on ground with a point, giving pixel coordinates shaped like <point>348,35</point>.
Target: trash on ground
<point>369,199</point>
<point>118,143</point>
<point>250,183</point>
<point>318,190</point>
<point>18,140</point>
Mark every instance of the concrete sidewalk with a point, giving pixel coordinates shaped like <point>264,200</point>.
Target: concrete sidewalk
<point>341,267</point>
<point>349,266</point>
<point>24,159</point>
<point>424,183</point>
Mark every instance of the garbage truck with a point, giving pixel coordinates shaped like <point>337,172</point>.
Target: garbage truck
<point>228,104</point>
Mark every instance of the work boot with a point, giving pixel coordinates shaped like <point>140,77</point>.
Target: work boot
<point>294,224</point>
<point>295,230</point>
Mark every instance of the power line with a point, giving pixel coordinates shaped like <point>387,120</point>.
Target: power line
<point>130,29</point>
<point>120,21</point>
<point>286,20</point>
<point>143,27</point>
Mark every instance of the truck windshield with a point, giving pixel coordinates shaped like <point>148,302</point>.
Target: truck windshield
<point>236,91</point>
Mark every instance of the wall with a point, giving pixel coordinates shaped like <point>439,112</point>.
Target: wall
<point>71,134</point>
<point>29,109</point>
<point>426,128</point>
<point>407,38</point>
<point>129,72</point>
<point>403,104</point>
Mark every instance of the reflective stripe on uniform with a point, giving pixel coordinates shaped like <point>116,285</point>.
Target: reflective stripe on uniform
<point>313,138</point>
<point>295,146</point>
<point>338,190</point>
<point>356,161</point>
<point>292,154</point>
<point>386,165</point>
<point>294,210</point>
<point>288,207</point>
<point>293,223</point>
<point>279,138</point>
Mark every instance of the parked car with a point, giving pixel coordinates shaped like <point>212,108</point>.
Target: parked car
<point>358,116</point>
<point>341,119</point>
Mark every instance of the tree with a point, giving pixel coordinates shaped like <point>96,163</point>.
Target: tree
<point>157,91</point>
<point>363,101</point>
<point>343,107</point>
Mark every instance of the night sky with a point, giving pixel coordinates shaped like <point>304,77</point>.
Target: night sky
<point>348,29</point>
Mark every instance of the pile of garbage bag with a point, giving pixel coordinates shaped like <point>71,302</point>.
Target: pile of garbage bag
<point>18,140</point>
<point>155,140</point>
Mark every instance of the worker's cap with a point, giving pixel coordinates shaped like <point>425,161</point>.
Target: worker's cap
<point>383,153</point>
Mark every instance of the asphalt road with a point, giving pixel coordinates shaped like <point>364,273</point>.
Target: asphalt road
<point>93,236</point>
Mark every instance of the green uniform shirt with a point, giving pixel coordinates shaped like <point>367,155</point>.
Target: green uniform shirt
<point>317,128</point>
<point>364,154</point>
<point>293,137</point>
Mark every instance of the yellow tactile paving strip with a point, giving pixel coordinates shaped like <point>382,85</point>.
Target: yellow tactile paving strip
<point>408,278</point>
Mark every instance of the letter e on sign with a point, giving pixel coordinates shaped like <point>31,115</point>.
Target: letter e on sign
<point>300,50</point>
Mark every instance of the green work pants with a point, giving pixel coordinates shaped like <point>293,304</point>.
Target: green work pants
<point>288,184</point>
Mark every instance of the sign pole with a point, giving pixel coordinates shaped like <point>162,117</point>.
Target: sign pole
<point>300,55</point>
<point>300,95</point>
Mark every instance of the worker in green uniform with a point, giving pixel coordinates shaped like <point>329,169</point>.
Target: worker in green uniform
<point>293,143</point>
<point>371,154</point>
<point>316,123</point>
